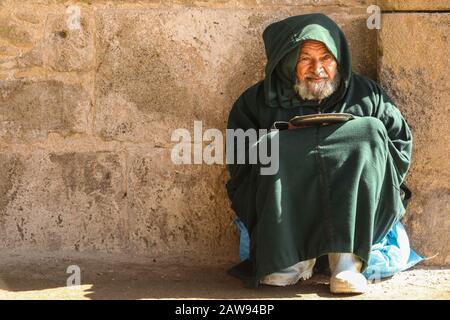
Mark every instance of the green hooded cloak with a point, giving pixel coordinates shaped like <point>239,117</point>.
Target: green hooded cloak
<point>338,186</point>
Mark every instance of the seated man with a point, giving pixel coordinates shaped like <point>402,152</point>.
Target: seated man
<point>337,189</point>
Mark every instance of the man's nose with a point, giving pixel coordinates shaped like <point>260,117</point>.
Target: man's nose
<point>317,67</point>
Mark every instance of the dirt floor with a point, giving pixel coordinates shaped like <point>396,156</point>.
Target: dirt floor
<point>104,278</point>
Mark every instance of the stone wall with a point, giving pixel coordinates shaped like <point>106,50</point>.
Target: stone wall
<point>87,109</point>
<point>414,50</point>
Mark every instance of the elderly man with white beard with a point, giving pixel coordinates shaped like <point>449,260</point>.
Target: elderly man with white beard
<point>317,73</point>
<point>337,190</point>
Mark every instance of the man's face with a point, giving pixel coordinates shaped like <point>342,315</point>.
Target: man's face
<point>317,74</point>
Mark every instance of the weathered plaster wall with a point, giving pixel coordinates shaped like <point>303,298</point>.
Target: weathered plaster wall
<point>86,117</point>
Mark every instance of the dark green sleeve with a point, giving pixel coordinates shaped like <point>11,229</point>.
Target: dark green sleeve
<point>400,136</point>
<point>242,117</point>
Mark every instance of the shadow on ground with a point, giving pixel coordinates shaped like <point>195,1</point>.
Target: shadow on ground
<point>45,278</point>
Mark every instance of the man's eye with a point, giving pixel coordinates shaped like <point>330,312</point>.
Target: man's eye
<point>327,57</point>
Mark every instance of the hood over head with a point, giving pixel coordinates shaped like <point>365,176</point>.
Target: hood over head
<point>282,42</point>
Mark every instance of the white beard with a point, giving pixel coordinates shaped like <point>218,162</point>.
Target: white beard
<point>317,91</point>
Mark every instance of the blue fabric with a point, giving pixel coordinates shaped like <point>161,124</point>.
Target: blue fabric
<point>391,255</point>
<point>244,240</point>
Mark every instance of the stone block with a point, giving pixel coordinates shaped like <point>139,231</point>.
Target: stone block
<point>179,210</point>
<point>160,70</point>
<point>30,110</point>
<point>21,39</point>
<point>63,202</point>
<point>70,41</point>
<point>13,32</point>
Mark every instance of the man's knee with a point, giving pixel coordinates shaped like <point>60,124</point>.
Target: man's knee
<point>367,134</point>
<point>370,128</point>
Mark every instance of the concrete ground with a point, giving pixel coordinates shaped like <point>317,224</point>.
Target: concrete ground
<point>120,278</point>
